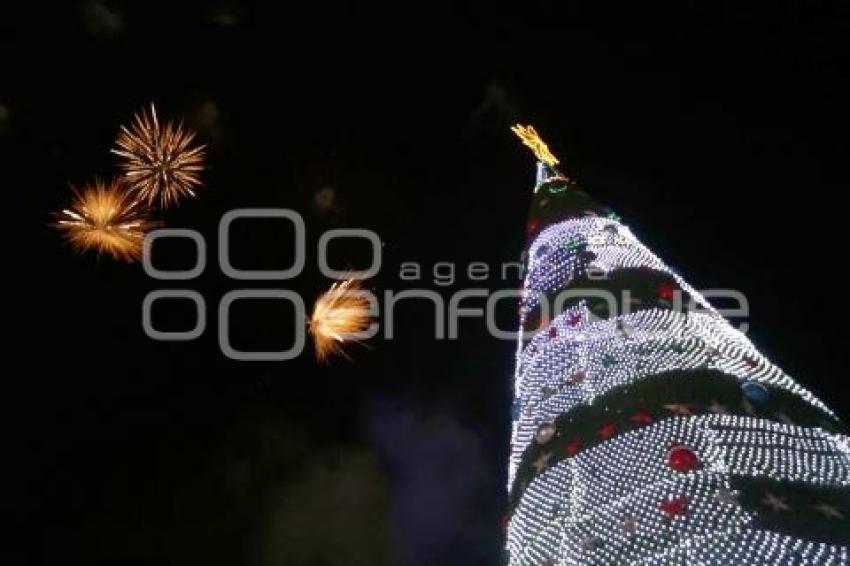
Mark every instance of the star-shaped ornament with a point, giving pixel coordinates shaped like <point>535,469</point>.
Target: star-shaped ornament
<point>775,502</point>
<point>828,511</point>
<point>727,497</point>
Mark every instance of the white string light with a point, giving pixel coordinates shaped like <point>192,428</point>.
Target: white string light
<point>619,500</point>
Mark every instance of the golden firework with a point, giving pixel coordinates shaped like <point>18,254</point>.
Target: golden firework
<point>531,139</point>
<point>105,218</point>
<point>159,162</point>
<point>339,313</point>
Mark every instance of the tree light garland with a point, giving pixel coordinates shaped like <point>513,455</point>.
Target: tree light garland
<point>671,483</point>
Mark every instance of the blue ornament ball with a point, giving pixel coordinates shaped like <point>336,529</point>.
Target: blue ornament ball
<point>755,392</point>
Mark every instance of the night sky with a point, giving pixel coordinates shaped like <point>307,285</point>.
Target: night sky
<point>717,131</point>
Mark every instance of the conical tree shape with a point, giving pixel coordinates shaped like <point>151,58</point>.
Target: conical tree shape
<point>646,428</point>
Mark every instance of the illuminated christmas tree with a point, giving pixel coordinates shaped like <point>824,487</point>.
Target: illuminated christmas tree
<point>646,428</point>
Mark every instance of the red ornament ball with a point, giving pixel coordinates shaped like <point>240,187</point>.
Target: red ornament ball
<point>674,507</point>
<point>666,291</point>
<point>573,448</point>
<point>682,459</point>
<point>642,417</point>
<point>607,431</point>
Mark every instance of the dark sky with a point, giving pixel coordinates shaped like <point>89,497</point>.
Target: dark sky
<point>717,131</point>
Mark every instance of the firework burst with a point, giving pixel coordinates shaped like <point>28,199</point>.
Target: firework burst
<point>105,218</point>
<point>339,312</point>
<point>159,162</point>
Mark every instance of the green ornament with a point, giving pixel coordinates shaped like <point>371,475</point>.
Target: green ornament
<point>678,347</point>
<point>555,186</point>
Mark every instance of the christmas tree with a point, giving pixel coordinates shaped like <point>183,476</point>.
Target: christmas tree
<point>646,428</point>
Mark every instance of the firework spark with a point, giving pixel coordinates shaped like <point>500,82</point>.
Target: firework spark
<point>104,218</point>
<point>159,162</point>
<point>339,312</point>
